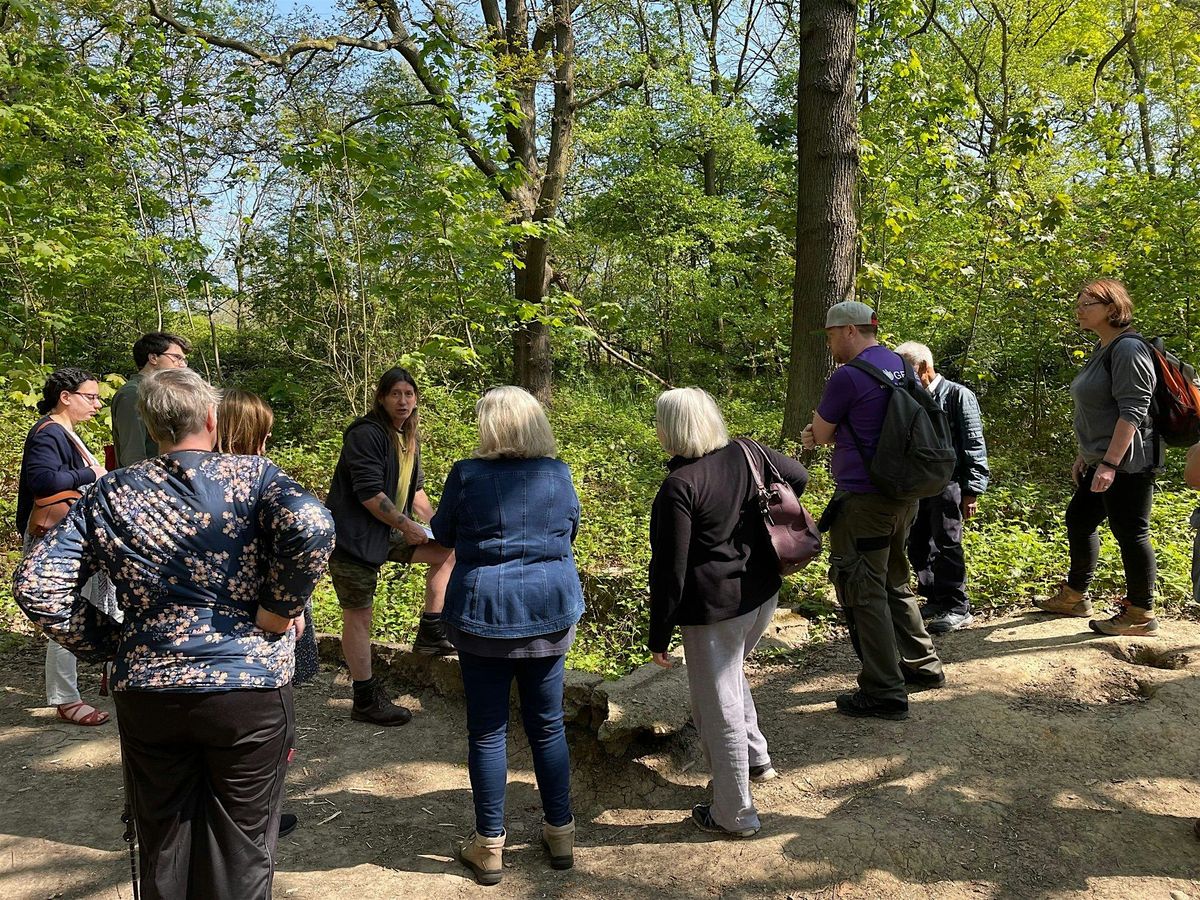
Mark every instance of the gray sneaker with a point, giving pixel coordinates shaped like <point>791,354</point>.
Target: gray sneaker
<point>946,622</point>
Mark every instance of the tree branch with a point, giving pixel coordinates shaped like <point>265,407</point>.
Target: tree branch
<point>925,25</point>
<point>400,41</point>
<point>1104,61</point>
<point>634,81</point>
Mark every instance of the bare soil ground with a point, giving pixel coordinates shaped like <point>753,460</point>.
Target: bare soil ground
<point>1054,764</point>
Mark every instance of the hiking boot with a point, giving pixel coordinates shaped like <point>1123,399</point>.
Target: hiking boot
<point>1065,602</point>
<point>431,639</point>
<point>379,709</point>
<point>1130,621</point>
<point>759,774</point>
<point>559,841</point>
<point>916,680</point>
<point>861,706</point>
<point>702,816</point>
<point>929,611</point>
<point>943,623</point>
<point>484,856</point>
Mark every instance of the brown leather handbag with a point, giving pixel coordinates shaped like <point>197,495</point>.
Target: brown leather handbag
<point>792,530</point>
<point>49,511</point>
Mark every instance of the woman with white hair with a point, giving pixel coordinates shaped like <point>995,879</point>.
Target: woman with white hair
<point>511,514</point>
<point>714,573</point>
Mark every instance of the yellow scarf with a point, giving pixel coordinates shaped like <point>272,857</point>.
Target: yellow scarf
<point>408,462</point>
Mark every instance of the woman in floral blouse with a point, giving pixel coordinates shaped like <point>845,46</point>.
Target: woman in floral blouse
<point>214,558</point>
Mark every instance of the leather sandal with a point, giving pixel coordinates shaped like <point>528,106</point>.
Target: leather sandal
<point>80,713</point>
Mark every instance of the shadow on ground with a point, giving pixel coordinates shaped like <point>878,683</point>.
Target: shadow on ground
<point>1054,763</point>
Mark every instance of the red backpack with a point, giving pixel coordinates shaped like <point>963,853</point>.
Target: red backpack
<point>1175,406</point>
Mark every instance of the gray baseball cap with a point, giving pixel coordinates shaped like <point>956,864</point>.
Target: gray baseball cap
<point>850,312</point>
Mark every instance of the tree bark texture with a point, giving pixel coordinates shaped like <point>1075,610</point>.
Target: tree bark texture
<point>826,221</point>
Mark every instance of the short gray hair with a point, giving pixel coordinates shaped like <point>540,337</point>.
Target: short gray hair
<point>174,403</point>
<point>916,354</point>
<point>513,424</point>
<point>689,422</point>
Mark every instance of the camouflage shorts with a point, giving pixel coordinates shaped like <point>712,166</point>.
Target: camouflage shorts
<point>355,582</point>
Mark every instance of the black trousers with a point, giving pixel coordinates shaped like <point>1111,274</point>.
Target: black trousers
<point>1126,505</point>
<point>936,554</point>
<point>206,774</point>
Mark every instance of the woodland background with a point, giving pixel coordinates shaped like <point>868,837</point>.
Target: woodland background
<point>593,198</point>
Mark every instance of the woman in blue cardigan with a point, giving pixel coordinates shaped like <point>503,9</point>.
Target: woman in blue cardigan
<point>511,514</point>
<point>57,464</point>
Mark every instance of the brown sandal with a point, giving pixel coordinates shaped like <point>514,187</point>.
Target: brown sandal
<point>80,713</point>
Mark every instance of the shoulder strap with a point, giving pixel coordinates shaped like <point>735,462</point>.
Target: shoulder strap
<point>1117,340</point>
<point>875,372</point>
<point>755,473</point>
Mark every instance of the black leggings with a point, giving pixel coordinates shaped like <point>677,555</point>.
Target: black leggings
<point>1126,505</point>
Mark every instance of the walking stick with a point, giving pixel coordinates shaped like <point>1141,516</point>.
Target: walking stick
<point>130,835</point>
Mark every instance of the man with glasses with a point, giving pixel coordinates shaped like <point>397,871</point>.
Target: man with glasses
<point>152,352</point>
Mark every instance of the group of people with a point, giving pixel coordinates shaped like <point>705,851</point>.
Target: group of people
<point>198,557</point>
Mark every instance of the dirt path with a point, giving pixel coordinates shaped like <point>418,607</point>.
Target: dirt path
<point>1054,764</point>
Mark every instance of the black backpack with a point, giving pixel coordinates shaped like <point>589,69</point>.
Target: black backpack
<point>915,456</point>
<point>1175,405</point>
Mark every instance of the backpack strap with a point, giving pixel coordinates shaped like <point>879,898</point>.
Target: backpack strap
<point>1150,346</point>
<point>877,373</point>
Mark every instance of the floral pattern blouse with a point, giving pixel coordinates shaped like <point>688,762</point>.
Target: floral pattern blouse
<point>194,542</point>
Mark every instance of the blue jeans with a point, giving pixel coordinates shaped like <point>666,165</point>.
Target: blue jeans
<point>486,682</point>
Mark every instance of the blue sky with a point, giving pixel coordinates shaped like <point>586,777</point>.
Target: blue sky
<point>320,7</point>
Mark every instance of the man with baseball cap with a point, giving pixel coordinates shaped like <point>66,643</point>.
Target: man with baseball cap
<point>868,531</point>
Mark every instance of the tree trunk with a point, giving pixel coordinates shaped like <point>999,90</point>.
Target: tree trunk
<point>826,223</point>
<point>533,367</point>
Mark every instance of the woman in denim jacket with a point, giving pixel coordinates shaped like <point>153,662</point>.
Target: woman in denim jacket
<point>511,514</point>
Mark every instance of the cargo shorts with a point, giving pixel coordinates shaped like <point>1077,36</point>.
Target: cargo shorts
<point>355,582</point>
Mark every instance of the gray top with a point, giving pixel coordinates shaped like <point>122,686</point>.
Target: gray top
<point>130,439</point>
<point>1105,392</point>
<point>557,643</point>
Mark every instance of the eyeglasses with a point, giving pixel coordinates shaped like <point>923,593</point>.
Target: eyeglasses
<point>91,398</point>
<point>178,357</point>
<point>1090,303</point>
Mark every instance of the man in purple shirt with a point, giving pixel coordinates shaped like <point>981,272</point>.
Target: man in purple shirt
<point>868,531</point>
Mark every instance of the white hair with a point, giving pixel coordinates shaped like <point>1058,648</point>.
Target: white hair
<point>513,424</point>
<point>689,422</point>
<point>175,403</point>
<point>916,354</point>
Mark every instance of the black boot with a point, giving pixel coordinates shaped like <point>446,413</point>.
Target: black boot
<point>431,637</point>
<point>372,704</point>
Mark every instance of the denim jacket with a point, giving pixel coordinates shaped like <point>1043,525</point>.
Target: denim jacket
<point>511,523</point>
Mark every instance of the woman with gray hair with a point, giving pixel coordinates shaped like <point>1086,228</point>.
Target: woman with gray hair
<point>213,558</point>
<point>714,573</point>
<point>511,514</point>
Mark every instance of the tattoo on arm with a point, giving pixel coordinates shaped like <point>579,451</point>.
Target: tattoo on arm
<point>388,508</point>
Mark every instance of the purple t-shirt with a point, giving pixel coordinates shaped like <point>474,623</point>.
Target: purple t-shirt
<point>855,397</point>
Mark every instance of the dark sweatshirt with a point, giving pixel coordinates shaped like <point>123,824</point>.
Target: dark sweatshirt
<point>711,558</point>
<point>368,465</point>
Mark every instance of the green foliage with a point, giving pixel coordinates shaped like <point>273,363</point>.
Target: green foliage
<point>308,231</point>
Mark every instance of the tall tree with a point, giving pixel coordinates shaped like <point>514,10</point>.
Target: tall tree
<point>509,56</point>
<point>826,222</point>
